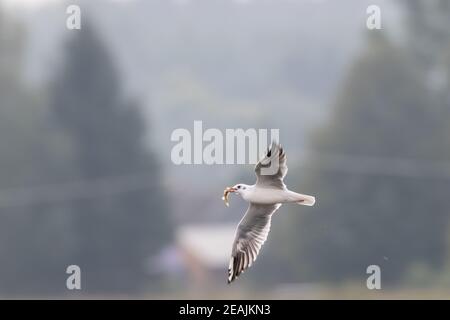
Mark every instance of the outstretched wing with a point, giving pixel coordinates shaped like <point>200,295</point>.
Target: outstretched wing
<point>251,234</point>
<point>271,170</point>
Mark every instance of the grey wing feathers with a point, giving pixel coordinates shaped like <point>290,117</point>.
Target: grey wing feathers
<point>271,170</point>
<point>251,234</point>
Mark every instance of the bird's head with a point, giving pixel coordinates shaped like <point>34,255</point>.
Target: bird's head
<point>240,188</point>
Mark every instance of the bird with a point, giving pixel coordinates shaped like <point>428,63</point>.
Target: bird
<point>264,197</point>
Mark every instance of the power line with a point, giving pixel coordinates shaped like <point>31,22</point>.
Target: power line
<point>116,185</point>
<point>77,190</point>
<point>375,165</point>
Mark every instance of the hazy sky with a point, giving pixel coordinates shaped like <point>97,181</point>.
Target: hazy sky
<point>28,3</point>
<point>33,3</point>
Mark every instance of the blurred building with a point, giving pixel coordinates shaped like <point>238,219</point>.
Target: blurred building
<point>199,255</point>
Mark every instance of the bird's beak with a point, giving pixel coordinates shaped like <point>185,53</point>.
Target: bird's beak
<point>231,189</point>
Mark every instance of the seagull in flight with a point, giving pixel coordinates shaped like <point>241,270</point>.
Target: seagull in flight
<point>264,198</point>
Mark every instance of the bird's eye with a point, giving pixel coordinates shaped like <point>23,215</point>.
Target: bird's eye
<point>238,187</point>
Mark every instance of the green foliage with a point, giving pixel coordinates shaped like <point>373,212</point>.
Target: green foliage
<point>114,234</point>
<point>32,235</point>
<point>87,132</point>
<point>381,217</point>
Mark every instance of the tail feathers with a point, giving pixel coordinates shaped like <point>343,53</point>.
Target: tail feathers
<point>305,200</point>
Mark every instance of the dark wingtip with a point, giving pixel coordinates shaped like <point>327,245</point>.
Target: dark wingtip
<point>229,281</point>
<point>230,276</point>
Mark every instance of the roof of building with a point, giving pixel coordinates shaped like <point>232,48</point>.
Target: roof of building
<point>211,244</point>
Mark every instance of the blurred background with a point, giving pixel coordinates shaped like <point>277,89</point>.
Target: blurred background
<point>86,117</point>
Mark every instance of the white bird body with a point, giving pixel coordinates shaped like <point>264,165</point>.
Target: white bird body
<point>264,198</point>
<point>261,195</point>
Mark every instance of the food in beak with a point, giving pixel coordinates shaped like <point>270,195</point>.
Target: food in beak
<point>226,192</point>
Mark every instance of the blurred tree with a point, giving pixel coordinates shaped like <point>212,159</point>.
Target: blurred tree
<point>32,237</point>
<point>117,233</point>
<point>428,35</point>
<point>374,215</point>
<point>428,31</point>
